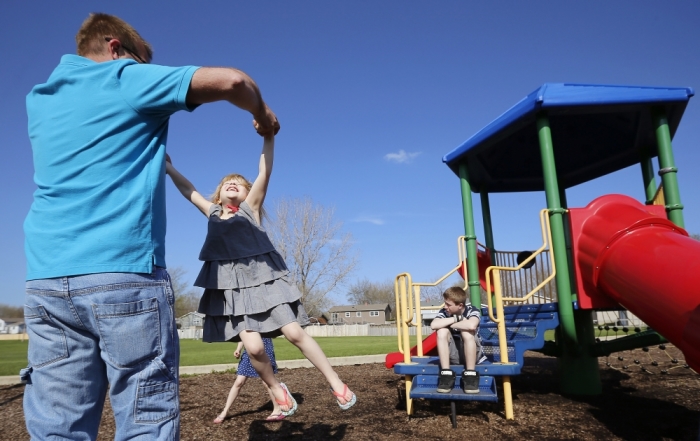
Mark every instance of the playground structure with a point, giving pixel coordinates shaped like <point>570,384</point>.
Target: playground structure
<point>614,254</point>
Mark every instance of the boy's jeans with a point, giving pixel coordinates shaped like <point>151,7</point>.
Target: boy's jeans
<point>98,330</point>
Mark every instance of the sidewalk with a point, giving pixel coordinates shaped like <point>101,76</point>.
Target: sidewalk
<point>282,364</point>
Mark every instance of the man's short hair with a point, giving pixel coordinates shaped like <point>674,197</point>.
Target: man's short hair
<point>456,294</point>
<point>90,38</point>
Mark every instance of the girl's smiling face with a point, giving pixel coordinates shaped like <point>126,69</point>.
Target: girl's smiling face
<point>233,191</point>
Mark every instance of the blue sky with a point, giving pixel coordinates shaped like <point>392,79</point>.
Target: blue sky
<point>370,96</point>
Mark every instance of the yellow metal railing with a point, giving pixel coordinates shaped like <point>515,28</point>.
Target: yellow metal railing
<point>409,313</point>
<point>498,299</point>
<point>515,283</point>
<point>408,309</point>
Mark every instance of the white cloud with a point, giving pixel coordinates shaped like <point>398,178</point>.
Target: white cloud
<point>402,157</point>
<point>370,219</point>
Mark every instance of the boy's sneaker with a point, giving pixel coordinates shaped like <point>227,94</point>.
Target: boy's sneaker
<point>470,382</point>
<point>446,382</point>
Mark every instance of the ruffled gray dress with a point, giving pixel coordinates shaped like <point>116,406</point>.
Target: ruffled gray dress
<point>245,280</point>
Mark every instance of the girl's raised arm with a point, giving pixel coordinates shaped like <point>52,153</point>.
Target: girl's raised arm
<point>186,188</point>
<point>257,193</point>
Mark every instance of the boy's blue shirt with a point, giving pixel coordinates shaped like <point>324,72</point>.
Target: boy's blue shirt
<point>98,133</point>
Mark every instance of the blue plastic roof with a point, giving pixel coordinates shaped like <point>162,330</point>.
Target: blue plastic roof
<point>596,130</point>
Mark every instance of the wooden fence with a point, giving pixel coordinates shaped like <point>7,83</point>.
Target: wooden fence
<point>330,331</point>
<point>22,336</point>
<point>190,333</point>
<point>359,330</point>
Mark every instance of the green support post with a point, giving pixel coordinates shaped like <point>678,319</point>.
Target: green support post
<point>488,226</point>
<point>648,176</point>
<point>667,168</point>
<point>470,234</point>
<point>567,240</point>
<point>578,369</point>
<point>488,229</point>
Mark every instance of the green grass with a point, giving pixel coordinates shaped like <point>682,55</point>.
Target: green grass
<point>195,353</point>
<point>13,356</point>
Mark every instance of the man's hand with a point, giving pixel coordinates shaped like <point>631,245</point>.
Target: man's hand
<point>266,123</point>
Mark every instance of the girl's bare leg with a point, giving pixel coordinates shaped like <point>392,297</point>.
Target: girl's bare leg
<point>313,352</point>
<point>275,407</point>
<point>232,395</point>
<point>261,363</point>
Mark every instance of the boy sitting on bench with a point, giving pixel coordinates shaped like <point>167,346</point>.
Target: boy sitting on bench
<point>457,323</point>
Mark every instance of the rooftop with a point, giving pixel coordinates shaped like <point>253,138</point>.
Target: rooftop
<point>596,130</point>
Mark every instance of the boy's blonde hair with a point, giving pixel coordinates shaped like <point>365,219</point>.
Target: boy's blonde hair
<point>90,38</point>
<point>456,294</point>
<point>214,198</point>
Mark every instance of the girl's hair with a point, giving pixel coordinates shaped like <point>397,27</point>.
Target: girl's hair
<point>214,198</point>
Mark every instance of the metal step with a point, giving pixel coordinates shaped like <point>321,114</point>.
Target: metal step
<point>431,366</point>
<point>425,386</point>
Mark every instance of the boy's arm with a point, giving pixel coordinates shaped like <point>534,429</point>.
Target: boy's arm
<point>210,84</point>
<point>258,190</point>
<point>441,322</point>
<point>466,324</point>
<point>187,189</point>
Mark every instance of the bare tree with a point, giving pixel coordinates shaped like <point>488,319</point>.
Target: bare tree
<point>186,295</point>
<point>434,293</point>
<point>372,293</point>
<point>11,311</point>
<point>318,254</point>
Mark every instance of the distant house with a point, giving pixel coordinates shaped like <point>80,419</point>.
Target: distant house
<point>191,320</point>
<point>376,314</point>
<point>12,326</point>
<point>428,311</point>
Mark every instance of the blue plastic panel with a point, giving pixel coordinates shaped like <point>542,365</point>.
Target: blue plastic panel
<point>525,328</point>
<point>431,366</point>
<point>596,130</point>
<point>425,386</point>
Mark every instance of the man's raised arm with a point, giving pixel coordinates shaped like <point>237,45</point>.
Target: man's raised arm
<point>211,84</point>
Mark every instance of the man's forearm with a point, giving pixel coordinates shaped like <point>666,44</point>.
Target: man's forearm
<point>210,84</point>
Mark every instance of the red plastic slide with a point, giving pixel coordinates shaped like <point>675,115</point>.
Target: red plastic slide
<point>430,342</point>
<point>429,348</point>
<point>631,254</point>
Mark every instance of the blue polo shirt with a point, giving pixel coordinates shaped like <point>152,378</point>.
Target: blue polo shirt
<point>98,133</point>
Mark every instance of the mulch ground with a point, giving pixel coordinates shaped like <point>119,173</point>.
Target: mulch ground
<point>635,405</point>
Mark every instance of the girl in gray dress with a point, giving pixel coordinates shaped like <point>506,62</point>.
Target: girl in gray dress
<point>247,292</point>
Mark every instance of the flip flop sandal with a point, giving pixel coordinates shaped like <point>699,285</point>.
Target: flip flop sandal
<point>278,417</point>
<point>348,404</point>
<point>288,396</point>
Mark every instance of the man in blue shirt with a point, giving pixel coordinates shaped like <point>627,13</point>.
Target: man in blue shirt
<point>99,306</point>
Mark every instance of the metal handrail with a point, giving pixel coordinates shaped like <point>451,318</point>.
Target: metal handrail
<point>497,295</point>
<point>404,322</point>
